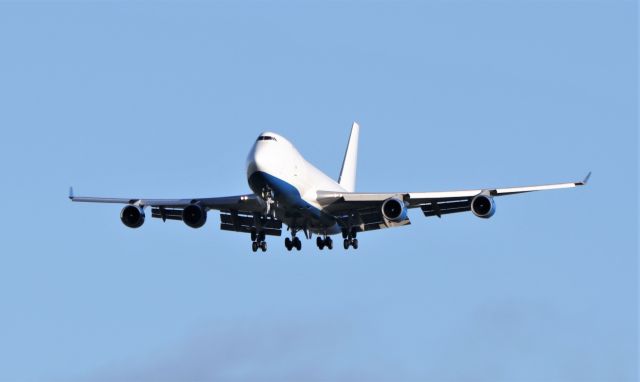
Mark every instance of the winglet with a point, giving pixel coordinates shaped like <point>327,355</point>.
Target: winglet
<point>71,193</point>
<point>585,180</point>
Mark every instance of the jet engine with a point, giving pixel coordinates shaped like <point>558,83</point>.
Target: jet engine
<point>132,216</point>
<point>394,209</point>
<point>194,216</point>
<point>483,206</point>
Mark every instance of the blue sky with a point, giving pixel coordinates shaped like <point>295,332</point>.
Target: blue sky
<point>165,100</point>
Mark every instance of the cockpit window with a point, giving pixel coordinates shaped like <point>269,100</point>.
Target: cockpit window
<point>266,138</point>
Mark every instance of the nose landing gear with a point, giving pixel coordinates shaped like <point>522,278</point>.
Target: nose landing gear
<point>267,196</point>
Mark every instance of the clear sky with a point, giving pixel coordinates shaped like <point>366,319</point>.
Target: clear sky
<point>165,100</point>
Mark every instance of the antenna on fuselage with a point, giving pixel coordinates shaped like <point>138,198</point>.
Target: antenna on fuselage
<point>349,166</point>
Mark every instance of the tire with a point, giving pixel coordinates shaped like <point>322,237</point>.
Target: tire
<point>354,243</point>
<point>288,244</point>
<point>263,246</point>
<point>346,243</point>
<point>254,246</point>
<point>297,243</point>
<point>320,243</point>
<point>329,243</point>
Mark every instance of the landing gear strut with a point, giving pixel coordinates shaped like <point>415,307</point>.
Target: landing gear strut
<point>267,196</point>
<point>350,239</point>
<point>258,239</point>
<point>324,242</point>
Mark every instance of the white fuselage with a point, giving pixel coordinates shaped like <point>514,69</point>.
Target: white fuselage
<point>275,167</point>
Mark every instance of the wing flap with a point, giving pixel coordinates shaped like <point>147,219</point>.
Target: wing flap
<point>245,229</point>
<point>242,222</point>
<point>367,218</point>
<point>166,214</point>
<point>435,208</point>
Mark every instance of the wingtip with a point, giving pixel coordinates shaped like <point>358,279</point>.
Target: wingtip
<point>71,193</point>
<point>585,180</point>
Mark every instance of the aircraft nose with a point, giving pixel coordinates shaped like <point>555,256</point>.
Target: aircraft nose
<point>258,159</point>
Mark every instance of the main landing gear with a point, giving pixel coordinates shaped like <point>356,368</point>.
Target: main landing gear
<point>324,242</point>
<point>258,239</point>
<point>293,243</point>
<point>350,239</point>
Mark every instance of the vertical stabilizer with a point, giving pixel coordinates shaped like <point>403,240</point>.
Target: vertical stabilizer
<point>349,165</point>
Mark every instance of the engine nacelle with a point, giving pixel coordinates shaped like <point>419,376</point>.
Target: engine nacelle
<point>194,216</point>
<point>132,216</point>
<point>483,206</point>
<point>394,209</point>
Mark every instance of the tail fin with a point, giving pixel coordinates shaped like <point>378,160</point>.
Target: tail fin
<point>349,165</point>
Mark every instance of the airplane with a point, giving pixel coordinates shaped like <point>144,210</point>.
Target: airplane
<point>288,190</point>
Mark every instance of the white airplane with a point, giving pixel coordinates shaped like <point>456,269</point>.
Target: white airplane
<point>288,189</point>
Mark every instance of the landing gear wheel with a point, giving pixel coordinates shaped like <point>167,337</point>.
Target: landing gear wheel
<point>346,243</point>
<point>297,243</point>
<point>328,243</point>
<point>254,246</point>
<point>288,244</point>
<point>320,243</point>
<point>263,246</point>
<point>354,243</point>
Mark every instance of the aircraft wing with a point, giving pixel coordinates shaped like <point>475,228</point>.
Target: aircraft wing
<point>239,213</point>
<point>247,203</point>
<point>357,207</point>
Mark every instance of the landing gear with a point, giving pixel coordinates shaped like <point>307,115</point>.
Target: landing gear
<point>259,245</point>
<point>257,236</point>
<point>267,196</point>
<point>258,239</point>
<point>350,239</point>
<point>293,243</point>
<point>349,234</point>
<point>350,243</point>
<point>324,242</point>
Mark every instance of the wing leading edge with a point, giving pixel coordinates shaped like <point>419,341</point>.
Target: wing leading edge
<point>247,203</point>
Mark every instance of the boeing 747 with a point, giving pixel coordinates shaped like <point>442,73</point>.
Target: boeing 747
<point>288,190</point>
